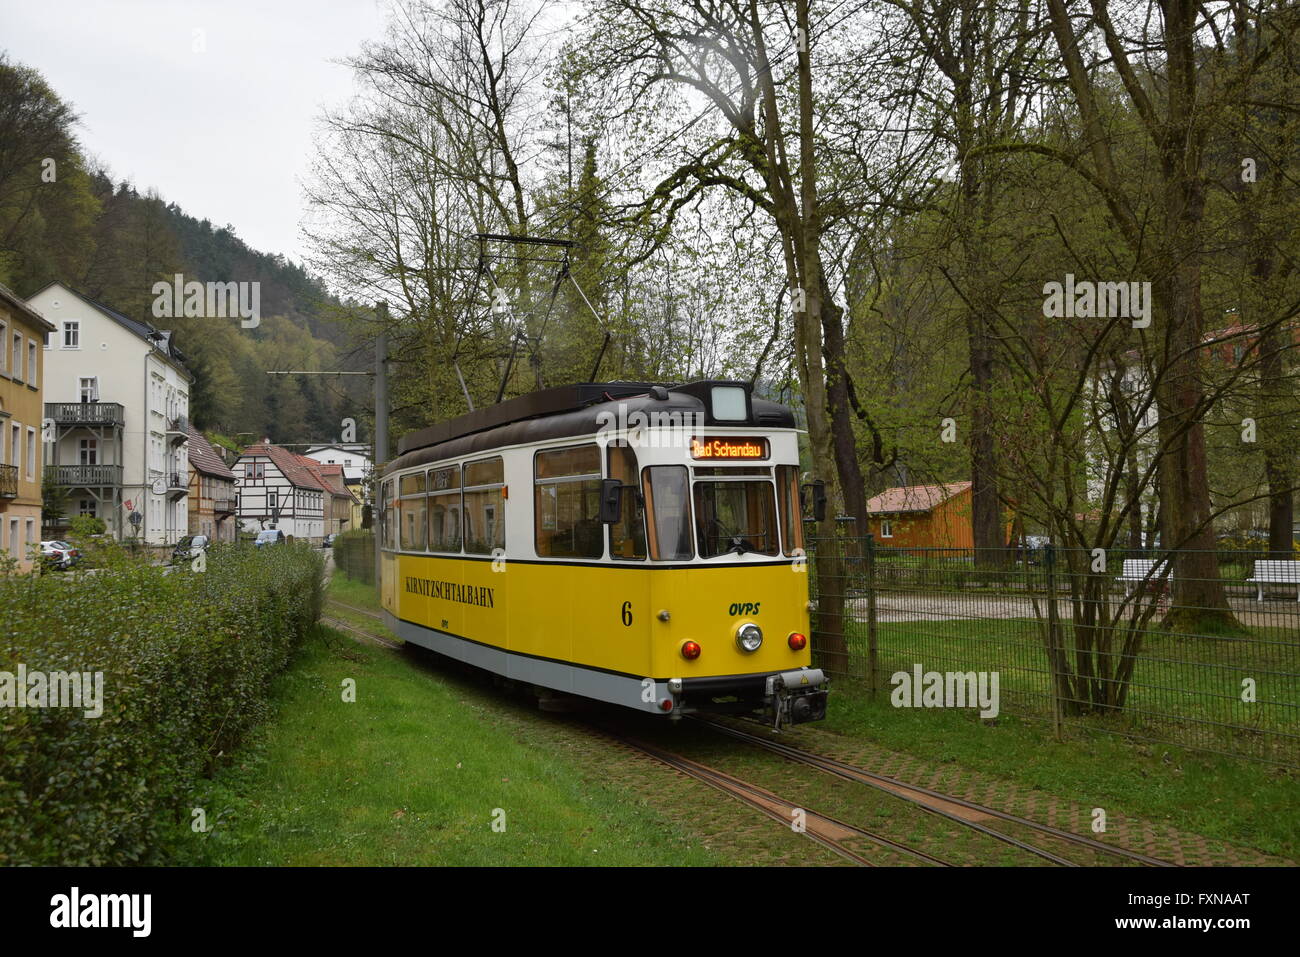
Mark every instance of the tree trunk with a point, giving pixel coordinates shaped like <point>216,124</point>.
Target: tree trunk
<point>852,487</point>
<point>1200,604</point>
<point>1278,453</point>
<point>986,505</point>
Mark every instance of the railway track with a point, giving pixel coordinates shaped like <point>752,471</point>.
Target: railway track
<point>366,636</point>
<point>947,806</point>
<point>823,829</point>
<point>360,611</point>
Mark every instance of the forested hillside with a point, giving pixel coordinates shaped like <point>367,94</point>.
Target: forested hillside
<point>63,219</point>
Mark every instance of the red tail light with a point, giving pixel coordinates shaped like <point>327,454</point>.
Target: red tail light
<point>666,704</point>
<point>797,641</point>
<point>690,650</point>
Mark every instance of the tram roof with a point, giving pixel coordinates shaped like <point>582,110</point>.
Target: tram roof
<point>576,410</point>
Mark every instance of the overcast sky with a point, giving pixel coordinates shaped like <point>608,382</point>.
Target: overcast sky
<point>225,133</point>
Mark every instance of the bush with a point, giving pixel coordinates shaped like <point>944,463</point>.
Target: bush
<point>86,526</point>
<point>187,660</point>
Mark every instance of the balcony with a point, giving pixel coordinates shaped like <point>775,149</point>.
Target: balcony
<point>224,503</point>
<point>8,481</point>
<point>178,430</point>
<point>178,485</point>
<point>86,476</point>
<point>95,414</point>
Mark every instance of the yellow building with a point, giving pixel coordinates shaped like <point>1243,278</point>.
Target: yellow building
<point>22,361</point>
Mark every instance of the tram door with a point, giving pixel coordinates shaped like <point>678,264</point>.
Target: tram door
<point>386,539</point>
<point>628,650</point>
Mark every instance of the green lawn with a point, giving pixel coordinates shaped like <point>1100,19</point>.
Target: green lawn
<point>1184,690</point>
<point>412,773</point>
<point>353,592</point>
<point>1234,800</point>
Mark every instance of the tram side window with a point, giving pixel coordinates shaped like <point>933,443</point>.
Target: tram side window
<point>627,535</point>
<point>667,502</point>
<point>410,510</point>
<point>484,509</point>
<point>787,494</point>
<point>444,509</point>
<point>567,496</point>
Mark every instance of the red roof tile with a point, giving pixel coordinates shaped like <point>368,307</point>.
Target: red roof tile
<point>297,472</point>
<point>204,458</point>
<point>913,498</point>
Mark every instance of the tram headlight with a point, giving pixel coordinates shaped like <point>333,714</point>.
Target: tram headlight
<point>749,637</point>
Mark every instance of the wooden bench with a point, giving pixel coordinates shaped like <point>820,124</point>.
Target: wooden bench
<point>1138,570</point>
<point>1275,572</point>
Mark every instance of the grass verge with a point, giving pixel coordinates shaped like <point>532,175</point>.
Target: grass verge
<point>1233,800</point>
<point>413,773</point>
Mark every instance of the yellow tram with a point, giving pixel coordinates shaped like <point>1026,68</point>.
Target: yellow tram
<point>633,543</point>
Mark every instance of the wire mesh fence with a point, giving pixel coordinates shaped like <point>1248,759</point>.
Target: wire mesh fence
<point>354,555</point>
<point>1195,649</point>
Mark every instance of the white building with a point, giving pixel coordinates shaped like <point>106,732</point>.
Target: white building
<point>356,466</point>
<point>276,489</point>
<point>356,474</point>
<point>116,417</point>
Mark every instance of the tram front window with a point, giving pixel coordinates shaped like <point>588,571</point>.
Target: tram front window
<point>735,518</point>
<point>668,507</point>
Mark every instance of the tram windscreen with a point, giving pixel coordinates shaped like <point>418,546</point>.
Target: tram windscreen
<point>735,517</point>
<point>668,505</point>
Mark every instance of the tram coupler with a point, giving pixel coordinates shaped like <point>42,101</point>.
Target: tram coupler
<point>798,696</point>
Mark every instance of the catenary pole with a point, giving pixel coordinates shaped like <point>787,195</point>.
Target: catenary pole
<point>381,424</point>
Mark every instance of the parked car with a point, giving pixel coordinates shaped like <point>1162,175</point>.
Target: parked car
<point>269,536</point>
<point>190,547</point>
<point>60,555</point>
<point>329,540</point>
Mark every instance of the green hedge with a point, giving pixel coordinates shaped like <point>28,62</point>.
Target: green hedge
<point>354,555</point>
<point>187,660</point>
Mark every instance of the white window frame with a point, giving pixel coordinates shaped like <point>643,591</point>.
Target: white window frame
<point>886,528</point>
<point>31,454</point>
<point>33,379</point>
<point>17,371</point>
<point>73,326</point>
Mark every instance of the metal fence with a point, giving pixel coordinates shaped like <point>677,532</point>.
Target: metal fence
<point>354,555</point>
<point>1200,650</point>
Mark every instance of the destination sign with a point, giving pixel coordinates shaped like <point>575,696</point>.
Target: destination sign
<point>730,447</point>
